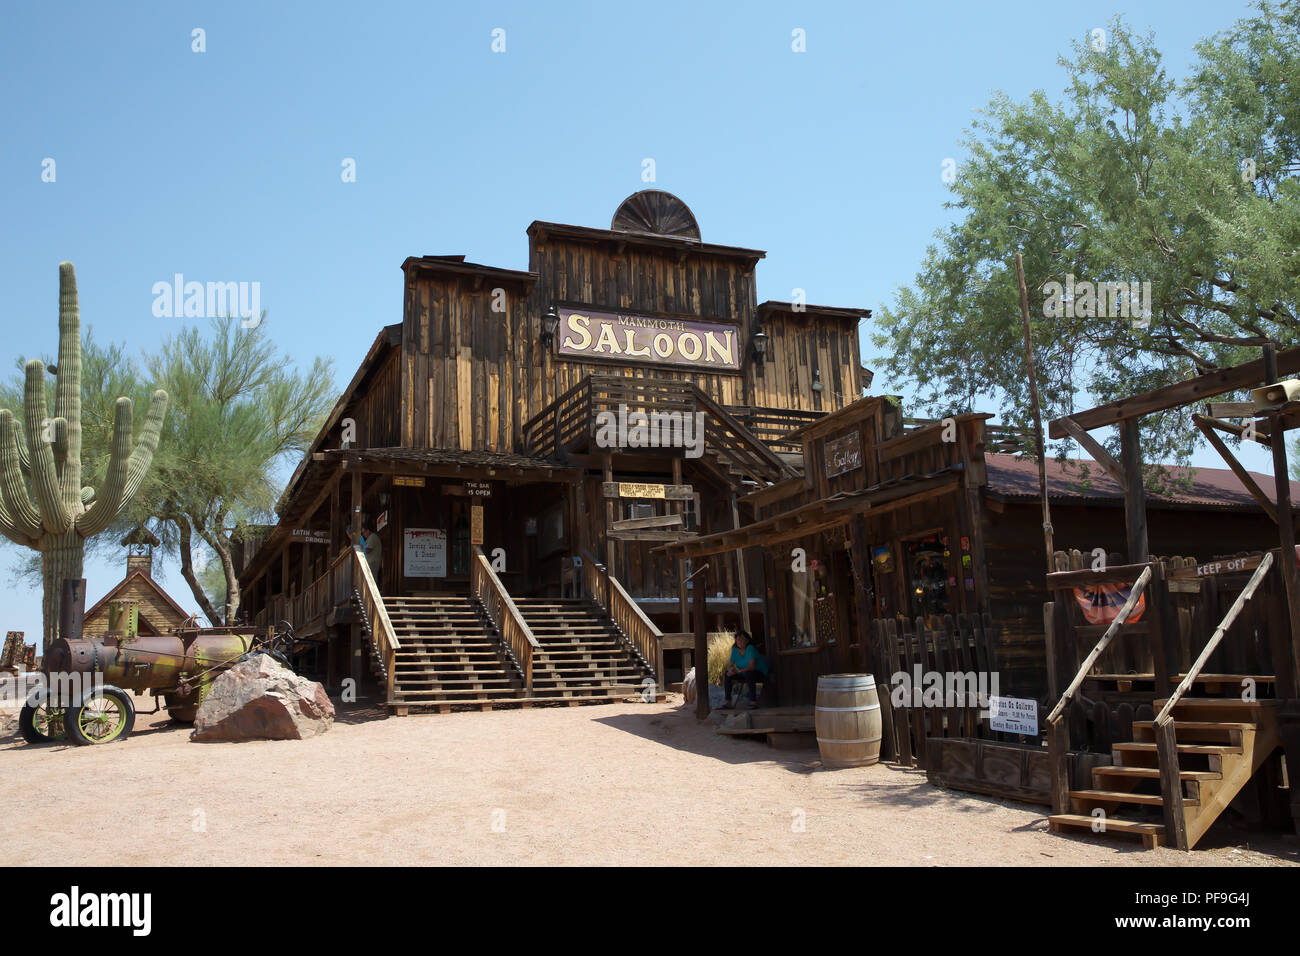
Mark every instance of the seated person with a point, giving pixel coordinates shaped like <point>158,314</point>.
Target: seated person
<point>747,666</point>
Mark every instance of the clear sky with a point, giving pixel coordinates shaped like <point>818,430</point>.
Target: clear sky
<point>226,165</point>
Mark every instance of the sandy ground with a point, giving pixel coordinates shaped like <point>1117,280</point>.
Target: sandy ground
<point>625,783</point>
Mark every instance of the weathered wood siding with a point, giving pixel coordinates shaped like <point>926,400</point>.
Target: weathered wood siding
<point>473,374</point>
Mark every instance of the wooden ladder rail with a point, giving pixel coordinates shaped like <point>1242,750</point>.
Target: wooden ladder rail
<point>1171,788</point>
<point>501,608</point>
<point>1058,744</point>
<point>381,628</point>
<point>626,614</point>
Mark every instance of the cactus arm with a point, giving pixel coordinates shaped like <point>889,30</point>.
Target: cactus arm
<point>45,482</point>
<point>18,508</point>
<point>59,429</point>
<point>103,511</point>
<point>87,495</point>
<point>24,461</point>
<point>126,468</point>
<point>67,390</point>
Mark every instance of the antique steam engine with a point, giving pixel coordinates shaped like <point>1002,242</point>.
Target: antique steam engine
<point>86,693</point>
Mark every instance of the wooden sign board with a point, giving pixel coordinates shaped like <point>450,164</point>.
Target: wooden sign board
<point>649,340</point>
<point>478,489</point>
<point>843,454</point>
<point>408,481</point>
<point>635,489</point>
<point>648,534</point>
<point>653,521</point>
<point>476,524</point>
<point>308,536</point>
<point>424,553</point>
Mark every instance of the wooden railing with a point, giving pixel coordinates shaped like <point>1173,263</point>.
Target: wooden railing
<point>327,592</point>
<point>772,425</point>
<point>998,439</point>
<point>381,628</point>
<point>623,611</point>
<point>487,588</point>
<point>569,422</point>
<point>1212,644</point>
<point>1058,743</point>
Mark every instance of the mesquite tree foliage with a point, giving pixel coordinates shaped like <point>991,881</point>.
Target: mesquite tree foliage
<point>1187,190</point>
<point>43,505</point>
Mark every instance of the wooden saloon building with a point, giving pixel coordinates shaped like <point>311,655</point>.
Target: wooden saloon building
<point>551,457</point>
<point>523,441</point>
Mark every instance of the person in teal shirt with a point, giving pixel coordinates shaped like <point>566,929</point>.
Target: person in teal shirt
<point>746,666</point>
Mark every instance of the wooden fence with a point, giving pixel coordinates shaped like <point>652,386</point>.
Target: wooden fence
<point>962,652</point>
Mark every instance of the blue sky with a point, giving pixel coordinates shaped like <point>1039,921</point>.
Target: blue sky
<point>226,165</point>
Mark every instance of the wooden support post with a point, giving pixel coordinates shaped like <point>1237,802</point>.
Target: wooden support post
<point>610,517</point>
<point>1058,759</point>
<point>1135,501</point>
<point>701,644</point>
<point>1286,534</point>
<point>1171,784</point>
<point>683,608</point>
<point>355,538</point>
<point>1038,415</point>
<point>355,655</point>
<point>742,578</point>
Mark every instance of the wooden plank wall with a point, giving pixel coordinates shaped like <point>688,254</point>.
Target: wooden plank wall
<point>1013,541</point>
<point>472,376</point>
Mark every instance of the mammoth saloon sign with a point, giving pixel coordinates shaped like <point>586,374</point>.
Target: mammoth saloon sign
<point>618,336</point>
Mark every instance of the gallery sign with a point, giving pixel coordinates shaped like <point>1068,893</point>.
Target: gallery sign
<point>620,336</point>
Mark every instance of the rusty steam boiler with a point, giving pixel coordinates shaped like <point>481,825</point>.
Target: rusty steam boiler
<point>179,668</point>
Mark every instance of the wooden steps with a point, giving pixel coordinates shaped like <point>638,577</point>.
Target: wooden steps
<point>452,657</point>
<point>1219,743</point>
<point>581,654</point>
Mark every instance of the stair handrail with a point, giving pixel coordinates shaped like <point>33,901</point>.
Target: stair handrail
<point>381,628</point>
<point>501,608</point>
<point>1195,670</point>
<point>1138,586</point>
<point>624,612</point>
<point>756,444</point>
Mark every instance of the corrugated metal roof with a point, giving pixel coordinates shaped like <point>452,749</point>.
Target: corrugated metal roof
<point>1012,477</point>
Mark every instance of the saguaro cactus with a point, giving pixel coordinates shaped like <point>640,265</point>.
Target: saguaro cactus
<point>57,515</point>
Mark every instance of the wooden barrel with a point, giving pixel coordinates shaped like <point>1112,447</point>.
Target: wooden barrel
<point>848,720</point>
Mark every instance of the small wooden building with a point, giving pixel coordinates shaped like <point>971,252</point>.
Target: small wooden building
<point>159,611</point>
<point>890,522</point>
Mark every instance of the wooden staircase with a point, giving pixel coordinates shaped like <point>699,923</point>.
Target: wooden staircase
<point>583,658</point>
<point>1220,744</point>
<point>450,654</point>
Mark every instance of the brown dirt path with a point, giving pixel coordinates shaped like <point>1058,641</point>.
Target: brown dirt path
<point>625,783</point>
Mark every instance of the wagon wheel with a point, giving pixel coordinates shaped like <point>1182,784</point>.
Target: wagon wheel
<point>40,725</point>
<point>103,718</point>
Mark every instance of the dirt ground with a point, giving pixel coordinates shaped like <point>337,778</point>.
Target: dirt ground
<point>625,783</point>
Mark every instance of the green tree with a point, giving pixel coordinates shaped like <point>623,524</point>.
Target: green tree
<point>1130,177</point>
<point>242,416</point>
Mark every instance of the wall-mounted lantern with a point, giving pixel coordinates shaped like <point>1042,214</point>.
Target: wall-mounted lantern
<point>550,324</point>
<point>758,345</point>
<point>817,380</point>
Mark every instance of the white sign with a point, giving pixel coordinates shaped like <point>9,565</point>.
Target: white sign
<point>424,553</point>
<point>1014,715</point>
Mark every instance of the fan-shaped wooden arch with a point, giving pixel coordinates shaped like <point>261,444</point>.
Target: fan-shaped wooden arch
<point>655,212</point>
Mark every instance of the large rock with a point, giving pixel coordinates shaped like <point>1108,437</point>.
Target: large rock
<point>261,699</point>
